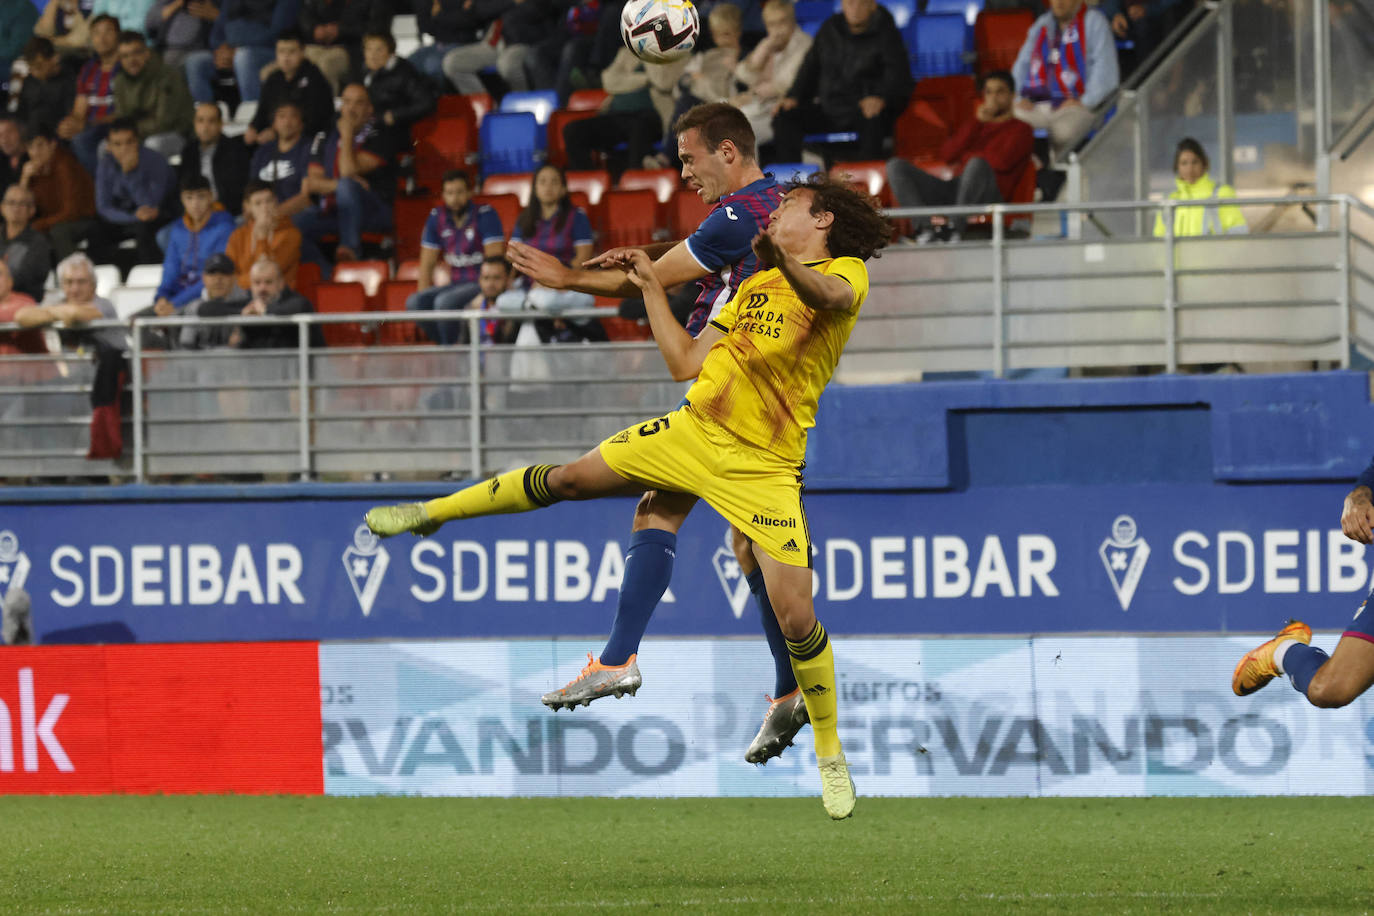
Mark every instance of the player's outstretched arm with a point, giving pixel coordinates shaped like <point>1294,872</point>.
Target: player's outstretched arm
<point>674,267</point>
<point>815,289</point>
<point>683,353</point>
<point>654,250</point>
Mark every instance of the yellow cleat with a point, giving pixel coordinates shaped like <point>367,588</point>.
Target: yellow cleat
<point>1257,667</point>
<point>837,787</point>
<point>387,521</point>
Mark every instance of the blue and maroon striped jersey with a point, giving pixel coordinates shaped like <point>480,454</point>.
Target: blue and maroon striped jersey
<point>721,245</point>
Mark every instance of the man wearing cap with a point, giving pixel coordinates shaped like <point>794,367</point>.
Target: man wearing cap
<point>221,297</point>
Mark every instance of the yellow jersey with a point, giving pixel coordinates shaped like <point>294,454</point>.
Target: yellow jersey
<point>763,379</point>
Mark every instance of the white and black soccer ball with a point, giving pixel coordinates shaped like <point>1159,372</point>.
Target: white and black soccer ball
<point>660,31</point>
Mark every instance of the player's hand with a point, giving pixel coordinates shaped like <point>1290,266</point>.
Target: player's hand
<point>639,270</point>
<point>611,258</point>
<point>163,307</point>
<point>541,267</point>
<point>1357,518</point>
<point>1120,26</point>
<point>767,249</point>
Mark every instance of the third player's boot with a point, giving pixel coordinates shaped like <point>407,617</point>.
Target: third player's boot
<point>386,521</point>
<point>595,681</point>
<point>784,718</point>
<point>837,787</point>
<point>1257,668</point>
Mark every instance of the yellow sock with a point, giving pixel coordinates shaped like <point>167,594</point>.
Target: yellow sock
<point>519,490</point>
<point>814,665</point>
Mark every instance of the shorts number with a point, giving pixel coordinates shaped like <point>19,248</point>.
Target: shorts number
<point>660,423</point>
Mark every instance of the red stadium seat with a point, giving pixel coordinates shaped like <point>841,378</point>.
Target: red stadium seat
<point>998,36</point>
<point>685,212</point>
<point>871,177</point>
<point>593,183</point>
<point>938,106</point>
<point>507,207</point>
<point>307,279</point>
<point>341,298</point>
<point>399,333</point>
<point>587,100</point>
<point>558,150</point>
<point>475,105</point>
<point>442,144</point>
<point>409,214</point>
<point>410,270</point>
<point>594,215</point>
<point>519,184</point>
<point>371,274</point>
<point>663,182</point>
<point>618,328</point>
<point>631,218</point>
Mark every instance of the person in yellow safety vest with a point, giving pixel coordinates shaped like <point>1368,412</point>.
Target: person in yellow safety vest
<point>1190,171</point>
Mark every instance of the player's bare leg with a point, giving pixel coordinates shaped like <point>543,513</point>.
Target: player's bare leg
<point>786,707</point>
<point>789,588</point>
<point>1348,673</point>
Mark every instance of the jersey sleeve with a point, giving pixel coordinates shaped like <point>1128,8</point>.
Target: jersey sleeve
<point>724,237</point>
<point>582,228</point>
<point>430,237</point>
<point>852,271</point>
<point>489,225</point>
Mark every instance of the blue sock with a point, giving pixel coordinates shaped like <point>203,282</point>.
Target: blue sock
<point>1301,663</point>
<point>784,681</point>
<point>648,569</point>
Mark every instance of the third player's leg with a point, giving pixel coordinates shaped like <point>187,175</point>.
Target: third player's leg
<point>662,510</point>
<point>589,477</point>
<point>1347,674</point>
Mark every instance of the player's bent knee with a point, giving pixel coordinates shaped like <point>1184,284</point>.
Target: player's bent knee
<point>567,482</point>
<point>1330,692</point>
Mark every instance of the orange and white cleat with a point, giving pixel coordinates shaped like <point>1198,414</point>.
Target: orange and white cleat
<point>596,681</point>
<point>1257,668</point>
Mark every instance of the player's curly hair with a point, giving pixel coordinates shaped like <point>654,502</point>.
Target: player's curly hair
<point>859,229</point>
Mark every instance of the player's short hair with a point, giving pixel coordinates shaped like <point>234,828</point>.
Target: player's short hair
<point>456,175</point>
<point>859,230</point>
<point>130,37</point>
<point>718,122</point>
<point>498,259</point>
<point>386,37</point>
<point>1000,75</point>
<point>1189,145</point>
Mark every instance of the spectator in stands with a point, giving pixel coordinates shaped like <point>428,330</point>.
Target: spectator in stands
<point>23,248</point>
<point>248,29</point>
<point>132,14</point>
<point>78,304</point>
<point>285,162</point>
<point>989,154</point>
<point>335,29</point>
<point>769,70</point>
<point>222,160</point>
<point>463,234</point>
<point>269,295</point>
<point>400,94</point>
<point>221,298</point>
<point>295,80</point>
<point>203,230</point>
<point>568,50</point>
<point>855,78</point>
<point>63,192</point>
<point>353,171</point>
<point>1065,69</point>
<point>1195,183</point>
<point>152,95</point>
<point>49,91</point>
<point>710,74</point>
<point>67,26</point>
<point>552,224</point>
<point>633,115</point>
<point>135,195</point>
<point>21,309</point>
<point>179,28</point>
<point>93,109</point>
<point>16,25</point>
<point>12,155</point>
<point>493,280</point>
<point>450,23</point>
<point>519,27</point>
<point>265,234</point>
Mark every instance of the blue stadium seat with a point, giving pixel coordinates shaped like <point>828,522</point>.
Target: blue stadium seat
<point>792,171</point>
<point>541,103</point>
<point>811,13</point>
<point>511,141</point>
<point>940,45</point>
<point>902,11</point>
<point>969,9</point>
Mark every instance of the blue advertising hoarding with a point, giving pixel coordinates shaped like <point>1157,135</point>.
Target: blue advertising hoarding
<point>1156,558</point>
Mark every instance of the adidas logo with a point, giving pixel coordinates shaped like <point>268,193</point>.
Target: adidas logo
<point>817,691</point>
<point>621,438</point>
<point>495,485</point>
<point>791,546</point>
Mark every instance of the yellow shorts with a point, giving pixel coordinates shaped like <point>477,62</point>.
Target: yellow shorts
<point>758,492</point>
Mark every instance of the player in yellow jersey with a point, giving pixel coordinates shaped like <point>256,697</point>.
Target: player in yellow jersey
<point>740,439</point>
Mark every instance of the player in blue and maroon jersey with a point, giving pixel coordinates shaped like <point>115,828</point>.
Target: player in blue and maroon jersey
<point>716,146</point>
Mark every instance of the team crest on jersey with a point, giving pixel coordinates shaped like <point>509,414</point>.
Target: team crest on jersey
<point>1124,555</point>
<point>366,562</point>
<point>621,438</point>
<point>14,565</point>
<point>732,580</point>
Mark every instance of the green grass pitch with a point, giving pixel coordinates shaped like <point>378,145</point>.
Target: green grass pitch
<point>375,855</point>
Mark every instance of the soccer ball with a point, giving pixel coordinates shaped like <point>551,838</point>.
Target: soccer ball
<point>660,31</point>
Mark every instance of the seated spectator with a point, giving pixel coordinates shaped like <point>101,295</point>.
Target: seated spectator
<point>247,30</point>
<point>335,31</point>
<point>353,171</point>
<point>710,74</point>
<point>1065,69</point>
<point>78,304</point>
<point>493,280</point>
<point>151,95</point>
<point>519,26</point>
<point>399,93</point>
<point>179,28</point>
<point>24,249</point>
<point>221,298</point>
<point>67,26</point>
<point>19,308</point>
<point>203,230</point>
<point>989,153</point>
<point>856,77</point>
<point>285,162</point>
<point>552,224</point>
<point>63,192</point>
<point>269,295</point>
<point>295,80</point>
<point>450,23</point>
<point>1195,183</point>
<point>222,160</point>
<point>569,49</point>
<point>135,195</point>
<point>264,235</point>
<point>770,69</point>
<point>634,115</point>
<point>84,127</point>
<point>463,234</point>
<point>132,14</point>
<point>49,91</point>
<point>12,155</point>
